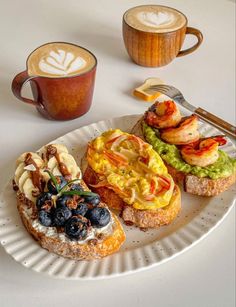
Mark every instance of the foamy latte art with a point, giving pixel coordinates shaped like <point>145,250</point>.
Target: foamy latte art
<point>61,63</point>
<point>59,60</point>
<point>155,18</point>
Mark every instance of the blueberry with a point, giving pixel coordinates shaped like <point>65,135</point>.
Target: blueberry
<point>81,209</point>
<point>61,215</point>
<point>92,199</point>
<point>62,200</point>
<point>99,217</point>
<point>76,228</point>
<point>60,181</point>
<point>76,187</point>
<point>45,218</point>
<point>42,198</point>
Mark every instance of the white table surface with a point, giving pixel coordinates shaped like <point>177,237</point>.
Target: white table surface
<point>202,276</point>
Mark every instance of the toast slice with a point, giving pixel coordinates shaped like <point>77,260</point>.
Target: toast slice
<point>141,218</point>
<point>56,242</point>
<point>99,241</point>
<point>202,186</point>
<point>144,219</point>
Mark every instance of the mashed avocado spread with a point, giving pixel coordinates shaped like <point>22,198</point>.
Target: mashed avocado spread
<point>223,167</point>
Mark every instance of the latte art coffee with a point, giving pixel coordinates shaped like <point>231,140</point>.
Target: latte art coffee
<point>155,18</point>
<point>59,60</point>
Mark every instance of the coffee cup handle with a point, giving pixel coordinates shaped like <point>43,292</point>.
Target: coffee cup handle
<point>198,34</point>
<point>17,84</point>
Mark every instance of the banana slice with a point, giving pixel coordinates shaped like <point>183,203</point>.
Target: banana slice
<point>23,172</point>
<point>27,188</point>
<point>39,162</point>
<point>22,167</point>
<point>54,167</point>
<point>56,171</point>
<point>71,165</point>
<point>44,175</point>
<point>52,163</point>
<point>22,180</point>
<point>60,148</point>
<point>33,155</point>
<point>19,171</point>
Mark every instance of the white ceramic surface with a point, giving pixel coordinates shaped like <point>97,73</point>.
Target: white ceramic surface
<point>142,250</point>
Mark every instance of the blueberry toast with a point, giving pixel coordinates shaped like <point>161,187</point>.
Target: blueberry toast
<point>58,209</point>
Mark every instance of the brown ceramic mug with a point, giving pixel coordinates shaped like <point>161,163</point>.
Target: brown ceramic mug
<point>62,77</point>
<point>154,34</point>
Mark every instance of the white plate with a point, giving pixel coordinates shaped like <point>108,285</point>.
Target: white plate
<point>142,250</point>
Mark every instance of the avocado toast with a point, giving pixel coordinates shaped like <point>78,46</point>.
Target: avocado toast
<point>205,171</point>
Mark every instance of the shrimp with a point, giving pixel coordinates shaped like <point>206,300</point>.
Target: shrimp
<point>204,152</point>
<point>163,115</point>
<point>186,132</point>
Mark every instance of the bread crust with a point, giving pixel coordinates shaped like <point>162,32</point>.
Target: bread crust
<point>131,216</point>
<point>91,249</point>
<point>207,186</point>
<point>153,218</point>
<point>191,183</point>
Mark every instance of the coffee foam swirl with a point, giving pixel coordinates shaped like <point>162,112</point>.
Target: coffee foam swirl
<point>59,60</point>
<point>155,18</point>
<point>61,63</point>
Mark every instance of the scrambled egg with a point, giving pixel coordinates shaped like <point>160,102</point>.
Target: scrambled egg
<point>131,168</point>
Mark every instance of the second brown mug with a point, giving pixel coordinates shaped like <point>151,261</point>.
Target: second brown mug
<point>154,34</point>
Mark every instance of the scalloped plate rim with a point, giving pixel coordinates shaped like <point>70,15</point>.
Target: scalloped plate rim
<point>127,272</point>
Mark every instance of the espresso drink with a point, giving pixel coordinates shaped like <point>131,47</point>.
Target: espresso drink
<point>62,77</point>
<point>154,34</point>
<point>59,60</point>
<point>155,18</point>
